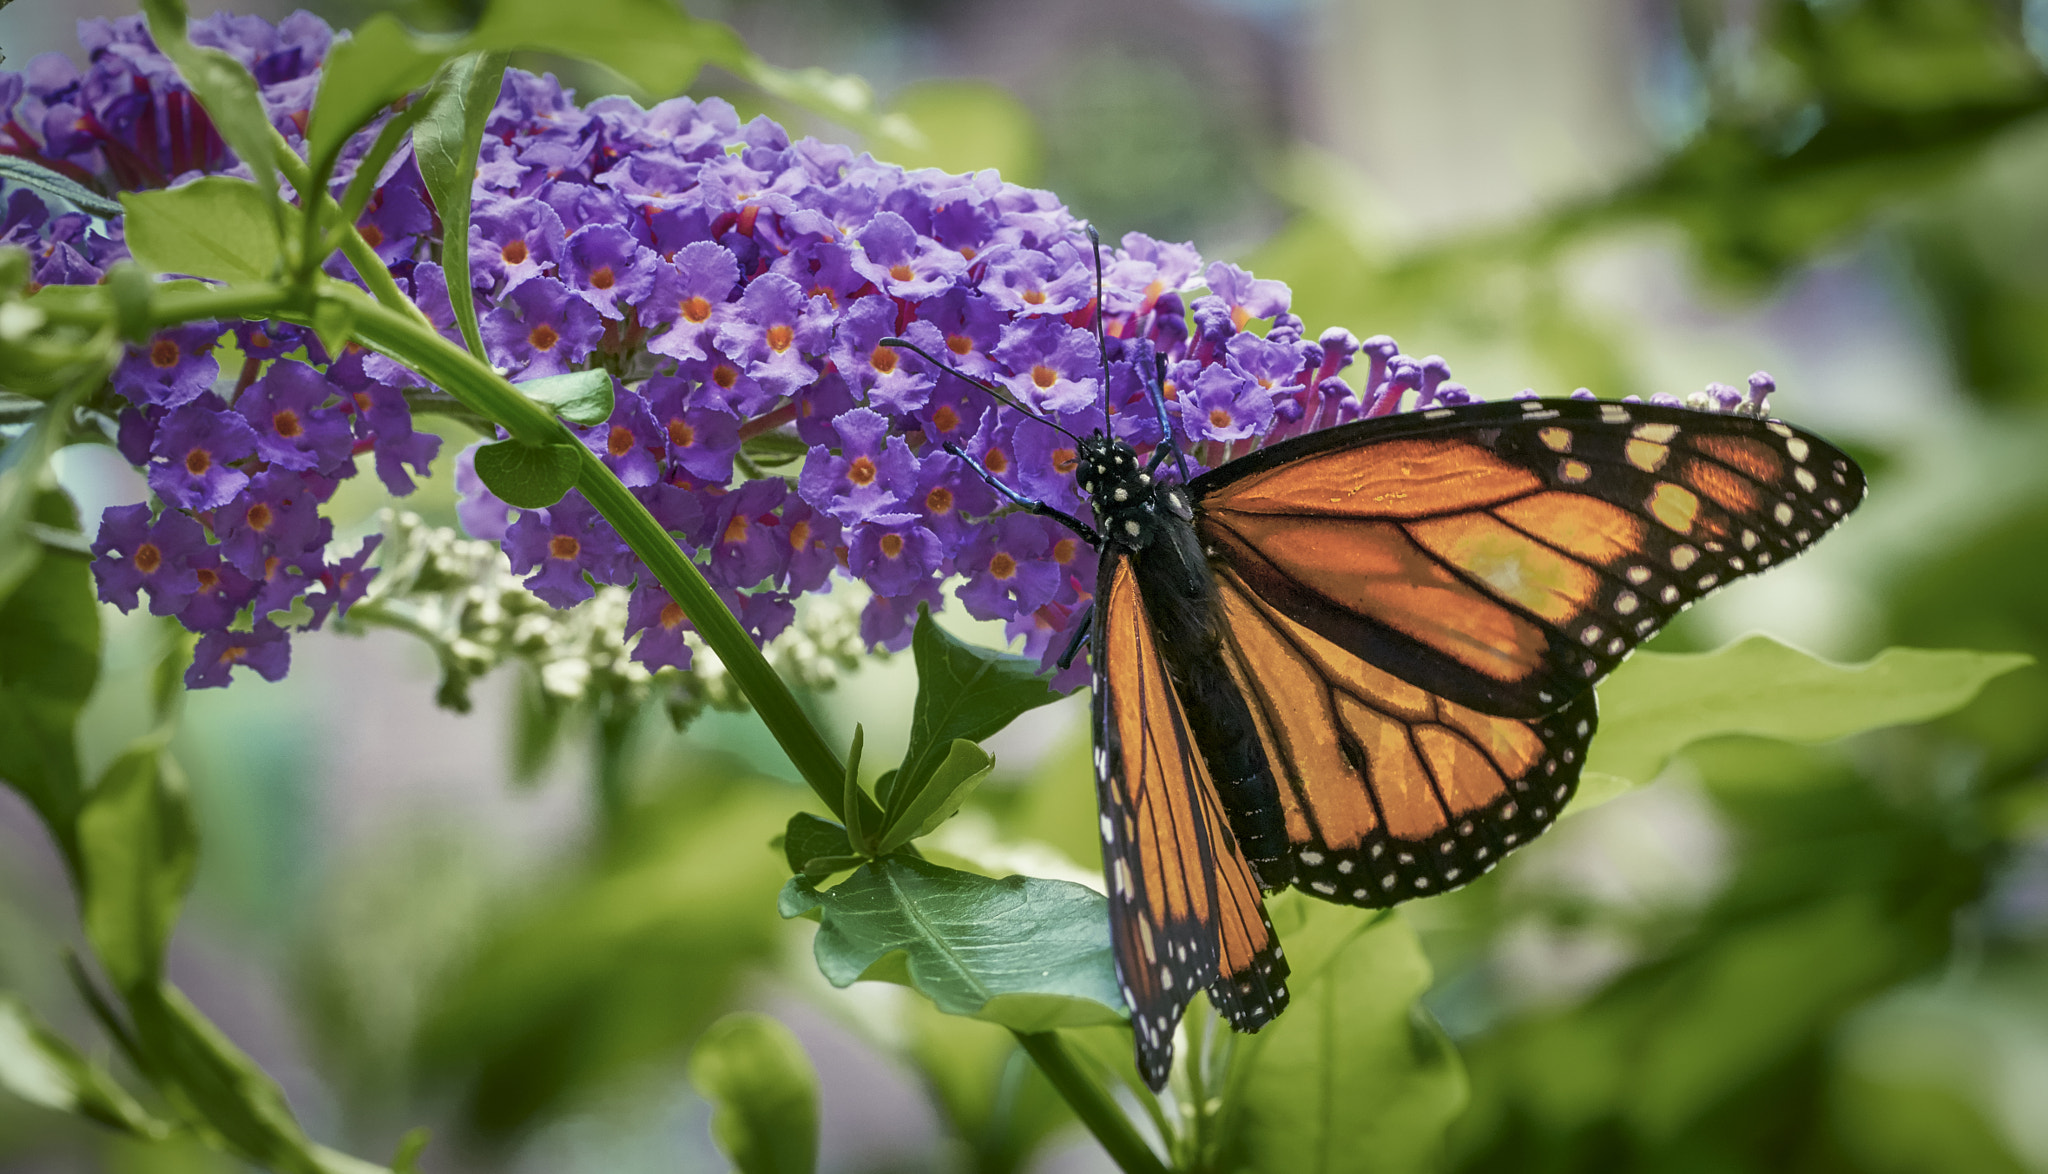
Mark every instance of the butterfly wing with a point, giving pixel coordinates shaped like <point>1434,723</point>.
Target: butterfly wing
<point>1415,608</point>
<point>1507,555</point>
<point>1185,910</point>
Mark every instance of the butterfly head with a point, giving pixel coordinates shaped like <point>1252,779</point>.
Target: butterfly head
<point>1130,504</point>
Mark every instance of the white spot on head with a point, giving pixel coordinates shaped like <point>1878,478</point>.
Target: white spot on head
<point>1122,494</point>
<point>1131,528</point>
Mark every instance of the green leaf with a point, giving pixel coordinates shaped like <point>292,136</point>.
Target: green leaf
<point>774,450</point>
<point>854,802</point>
<point>962,692</point>
<point>49,662</point>
<point>1658,703</point>
<point>333,319</point>
<point>810,837</point>
<point>445,145</point>
<point>1026,953</point>
<point>23,473</point>
<point>763,1091</point>
<point>15,169</point>
<point>380,62</point>
<point>580,397</point>
<point>530,476</point>
<point>663,55</point>
<point>1356,1075</point>
<point>42,1068</point>
<point>214,227</point>
<point>228,93</point>
<point>939,796</point>
<point>217,1084</point>
<point>139,843</point>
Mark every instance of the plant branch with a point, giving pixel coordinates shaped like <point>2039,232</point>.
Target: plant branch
<point>1091,1103</point>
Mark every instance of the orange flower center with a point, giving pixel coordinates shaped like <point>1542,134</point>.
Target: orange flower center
<point>1044,376</point>
<point>892,545</point>
<point>725,375</point>
<point>696,308</point>
<point>861,471</point>
<point>372,235</point>
<point>680,433</point>
<point>946,419</point>
<point>621,440</point>
<point>779,338</point>
<point>164,353</point>
<point>901,271</point>
<point>286,423</point>
<point>959,344</point>
<point>543,337</point>
<point>198,461</point>
<point>208,578</point>
<point>564,546</point>
<point>996,461</point>
<point>1220,418</point>
<point>514,252</point>
<point>671,616</point>
<point>1063,551</point>
<point>883,359</point>
<point>260,517</point>
<point>736,530</point>
<point>234,654</point>
<point>603,278</point>
<point>1002,566</point>
<point>799,535</point>
<point>148,558</point>
<point>968,251</point>
<point>1034,297</point>
<point>362,401</point>
<point>1064,460</point>
<point>258,340</point>
<point>939,500</point>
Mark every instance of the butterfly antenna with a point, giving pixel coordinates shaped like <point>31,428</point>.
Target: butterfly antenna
<point>993,391</point>
<point>1101,340</point>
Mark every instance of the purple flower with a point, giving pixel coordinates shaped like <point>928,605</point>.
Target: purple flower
<point>275,519</point>
<point>748,547</point>
<point>893,379</point>
<point>556,548</point>
<point>294,427</point>
<point>174,368</point>
<point>1247,297</point>
<point>511,242</point>
<point>132,553</point>
<point>696,432</point>
<point>1009,567</point>
<point>605,266</point>
<point>196,449</point>
<point>773,328</point>
<point>630,443</point>
<point>265,648</point>
<point>902,263</point>
<point>689,298</point>
<point>542,329</point>
<point>346,582</point>
<point>1224,404</point>
<point>893,553</point>
<point>1030,283</point>
<point>1058,368</point>
<point>886,621</point>
<point>870,475</point>
<point>660,624</point>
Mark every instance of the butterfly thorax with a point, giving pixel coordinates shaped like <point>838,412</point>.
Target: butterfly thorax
<point>1131,507</point>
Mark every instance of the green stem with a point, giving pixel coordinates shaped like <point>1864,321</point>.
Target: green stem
<point>1091,1103</point>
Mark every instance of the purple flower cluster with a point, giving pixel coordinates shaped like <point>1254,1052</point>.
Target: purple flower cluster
<point>739,284</point>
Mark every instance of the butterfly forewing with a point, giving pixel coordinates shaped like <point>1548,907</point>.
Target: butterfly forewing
<point>1505,556</point>
<point>1185,909</point>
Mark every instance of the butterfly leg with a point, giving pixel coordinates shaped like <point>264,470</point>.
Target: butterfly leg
<point>1155,390</point>
<point>1043,510</point>
<point>1082,626</point>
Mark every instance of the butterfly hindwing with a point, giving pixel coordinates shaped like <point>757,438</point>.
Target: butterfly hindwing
<point>1185,908</point>
<point>1507,555</point>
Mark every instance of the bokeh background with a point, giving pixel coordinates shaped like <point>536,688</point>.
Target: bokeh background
<point>1772,959</point>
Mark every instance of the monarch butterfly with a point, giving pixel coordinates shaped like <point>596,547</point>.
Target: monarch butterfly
<point>1361,661</point>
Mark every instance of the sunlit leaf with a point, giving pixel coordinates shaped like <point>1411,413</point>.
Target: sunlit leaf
<point>221,1086</point>
<point>1356,1075</point>
<point>580,397</point>
<point>49,662</point>
<point>939,796</point>
<point>42,1068</point>
<point>764,1094</point>
<point>1026,953</point>
<point>962,692</point>
<point>530,476</point>
<point>445,145</point>
<point>380,62</point>
<point>213,227</point>
<point>1657,703</point>
<point>139,843</point>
